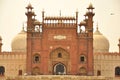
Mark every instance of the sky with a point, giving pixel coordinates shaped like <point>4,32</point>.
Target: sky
<point>12,16</point>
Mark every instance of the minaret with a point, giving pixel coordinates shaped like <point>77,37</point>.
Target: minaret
<point>0,44</point>
<point>89,28</point>
<point>30,27</point>
<point>119,45</point>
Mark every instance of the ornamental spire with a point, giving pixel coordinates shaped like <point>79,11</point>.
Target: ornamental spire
<point>97,32</point>
<point>60,13</point>
<point>97,27</point>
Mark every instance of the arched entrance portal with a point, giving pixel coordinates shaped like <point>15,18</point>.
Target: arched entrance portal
<point>59,62</point>
<point>59,69</point>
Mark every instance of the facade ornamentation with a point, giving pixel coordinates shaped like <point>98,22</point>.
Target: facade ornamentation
<point>59,37</point>
<point>56,48</point>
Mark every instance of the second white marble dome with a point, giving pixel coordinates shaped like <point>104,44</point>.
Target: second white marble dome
<point>19,42</point>
<point>100,42</point>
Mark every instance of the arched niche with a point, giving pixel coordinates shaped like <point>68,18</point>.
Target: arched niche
<point>59,57</point>
<point>2,70</point>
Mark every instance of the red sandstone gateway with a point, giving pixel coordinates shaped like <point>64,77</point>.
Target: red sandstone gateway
<point>55,47</point>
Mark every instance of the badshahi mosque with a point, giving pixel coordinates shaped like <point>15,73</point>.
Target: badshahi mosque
<point>55,47</point>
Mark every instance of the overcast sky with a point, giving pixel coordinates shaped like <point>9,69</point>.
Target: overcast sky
<point>12,16</point>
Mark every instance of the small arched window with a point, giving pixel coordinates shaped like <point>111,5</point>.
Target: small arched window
<point>36,58</point>
<point>59,55</point>
<point>37,28</point>
<point>20,72</point>
<point>82,29</point>
<point>98,73</point>
<point>2,70</point>
<point>82,58</point>
<point>117,71</point>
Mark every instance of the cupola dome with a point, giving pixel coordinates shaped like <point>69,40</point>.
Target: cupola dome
<point>19,42</point>
<point>100,42</point>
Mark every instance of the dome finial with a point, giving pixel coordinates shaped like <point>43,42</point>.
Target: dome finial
<point>60,13</point>
<point>97,26</point>
<point>97,30</point>
<point>23,27</point>
<point>23,30</point>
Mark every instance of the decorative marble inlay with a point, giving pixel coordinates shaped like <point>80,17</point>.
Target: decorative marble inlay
<point>51,47</point>
<point>68,47</point>
<point>59,37</point>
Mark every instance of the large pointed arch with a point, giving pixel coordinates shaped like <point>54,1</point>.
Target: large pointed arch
<point>59,52</point>
<point>59,69</point>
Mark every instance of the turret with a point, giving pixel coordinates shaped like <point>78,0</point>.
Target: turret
<point>0,43</point>
<point>89,14</point>
<point>30,14</point>
<point>119,45</point>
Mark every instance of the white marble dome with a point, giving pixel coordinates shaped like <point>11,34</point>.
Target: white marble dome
<point>100,42</point>
<point>19,42</point>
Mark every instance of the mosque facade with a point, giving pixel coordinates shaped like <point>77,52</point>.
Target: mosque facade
<point>55,47</point>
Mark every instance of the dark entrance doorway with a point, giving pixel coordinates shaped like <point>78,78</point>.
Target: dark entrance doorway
<point>2,70</point>
<point>117,71</point>
<point>59,69</point>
